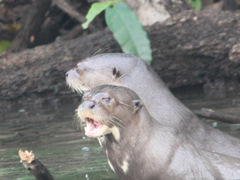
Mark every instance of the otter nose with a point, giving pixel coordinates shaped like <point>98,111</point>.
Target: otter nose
<point>91,104</point>
<point>71,74</point>
<point>88,104</point>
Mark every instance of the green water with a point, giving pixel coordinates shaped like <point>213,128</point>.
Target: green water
<point>49,131</point>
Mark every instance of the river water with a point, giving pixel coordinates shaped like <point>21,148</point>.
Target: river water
<point>49,131</point>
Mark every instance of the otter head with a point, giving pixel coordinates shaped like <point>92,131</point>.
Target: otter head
<point>105,108</point>
<point>99,70</point>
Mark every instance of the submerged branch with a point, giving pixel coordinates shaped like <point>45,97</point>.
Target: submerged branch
<point>210,113</point>
<point>34,165</point>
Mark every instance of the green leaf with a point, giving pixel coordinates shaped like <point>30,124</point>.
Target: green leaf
<point>197,4</point>
<point>4,45</point>
<point>128,31</point>
<point>95,9</point>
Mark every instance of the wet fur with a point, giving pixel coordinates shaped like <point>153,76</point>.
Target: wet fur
<point>161,104</point>
<point>149,150</point>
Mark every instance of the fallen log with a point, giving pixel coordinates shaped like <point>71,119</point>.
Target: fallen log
<point>194,48</point>
<point>188,49</point>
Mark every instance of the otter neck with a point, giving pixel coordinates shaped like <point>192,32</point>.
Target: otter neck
<point>159,101</point>
<point>121,152</point>
<point>143,121</point>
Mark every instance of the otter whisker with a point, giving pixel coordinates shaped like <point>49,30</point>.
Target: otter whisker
<point>112,122</point>
<point>115,82</point>
<point>97,52</point>
<point>115,121</point>
<point>125,104</point>
<point>79,91</point>
<point>77,122</point>
<point>115,118</point>
<point>77,88</point>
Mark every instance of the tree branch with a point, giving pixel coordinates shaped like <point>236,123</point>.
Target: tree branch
<point>34,165</point>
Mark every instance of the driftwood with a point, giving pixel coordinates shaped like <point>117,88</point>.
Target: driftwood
<point>67,8</point>
<point>217,115</point>
<point>230,5</point>
<point>34,165</point>
<point>197,48</point>
<point>192,48</point>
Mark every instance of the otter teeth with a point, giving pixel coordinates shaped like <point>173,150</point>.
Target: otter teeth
<point>93,128</point>
<point>92,123</point>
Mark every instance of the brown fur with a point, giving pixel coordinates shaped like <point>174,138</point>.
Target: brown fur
<point>147,149</point>
<point>129,71</point>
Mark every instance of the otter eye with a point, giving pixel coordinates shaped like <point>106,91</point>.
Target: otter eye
<point>115,72</point>
<point>106,99</point>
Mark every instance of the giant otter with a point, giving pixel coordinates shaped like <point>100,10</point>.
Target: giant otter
<point>130,71</point>
<point>139,147</point>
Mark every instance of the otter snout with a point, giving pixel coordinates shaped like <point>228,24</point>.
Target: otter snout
<point>71,74</point>
<point>75,72</point>
<point>88,104</point>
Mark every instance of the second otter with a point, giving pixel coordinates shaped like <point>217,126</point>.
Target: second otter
<point>139,147</point>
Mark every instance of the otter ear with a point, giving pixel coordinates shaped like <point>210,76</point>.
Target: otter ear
<point>115,72</point>
<point>137,105</point>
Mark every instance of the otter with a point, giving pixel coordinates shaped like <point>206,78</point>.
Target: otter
<point>131,72</point>
<point>139,147</point>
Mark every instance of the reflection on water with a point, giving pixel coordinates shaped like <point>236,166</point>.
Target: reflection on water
<point>50,133</point>
<point>229,105</point>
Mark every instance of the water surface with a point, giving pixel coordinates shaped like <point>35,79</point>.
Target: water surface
<point>49,131</point>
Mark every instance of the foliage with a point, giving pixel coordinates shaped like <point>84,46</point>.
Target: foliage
<point>196,4</point>
<point>4,45</point>
<point>96,9</point>
<point>128,31</point>
<point>125,26</point>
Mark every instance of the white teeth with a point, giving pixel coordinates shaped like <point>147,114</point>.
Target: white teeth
<point>87,129</point>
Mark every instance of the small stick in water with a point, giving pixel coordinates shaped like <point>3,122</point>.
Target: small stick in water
<point>34,165</point>
<point>220,116</point>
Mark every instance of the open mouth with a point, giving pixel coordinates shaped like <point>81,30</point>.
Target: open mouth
<point>93,128</point>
